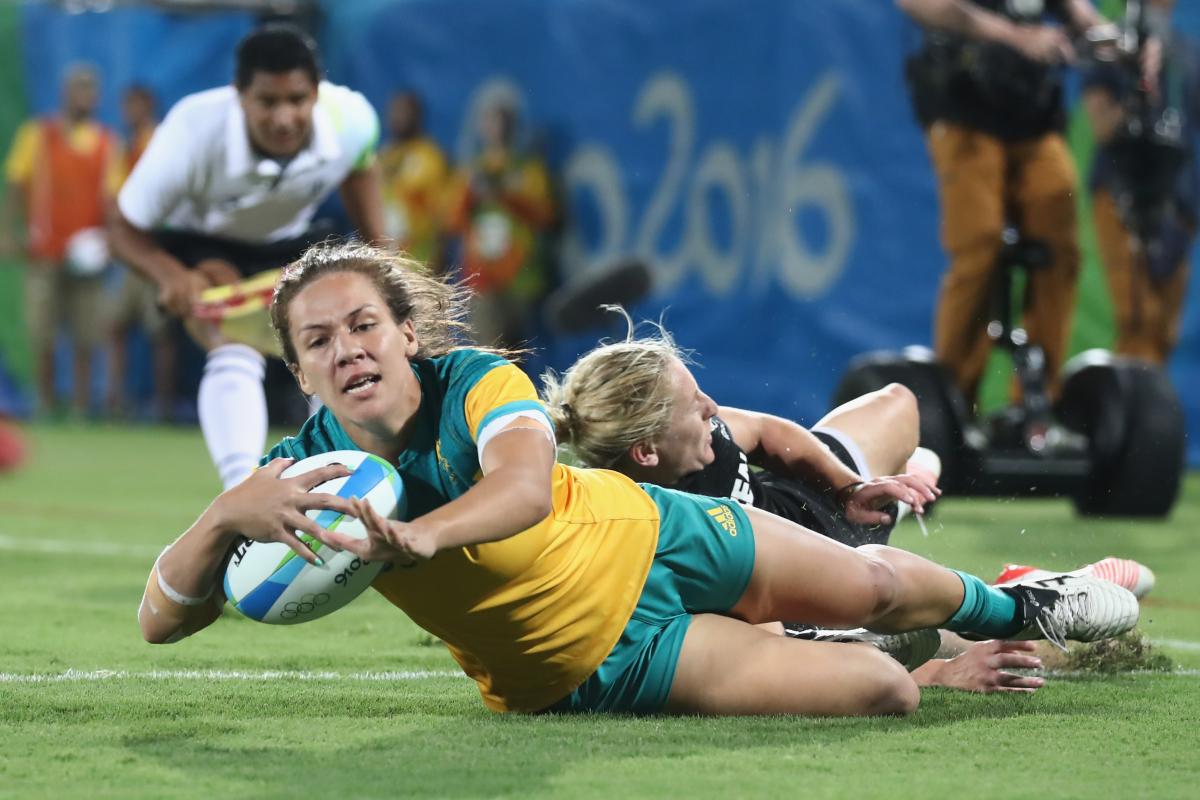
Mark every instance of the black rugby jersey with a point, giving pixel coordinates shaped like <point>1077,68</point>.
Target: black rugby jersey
<point>729,475</point>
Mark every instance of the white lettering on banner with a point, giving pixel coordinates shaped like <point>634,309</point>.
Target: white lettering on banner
<point>765,194</point>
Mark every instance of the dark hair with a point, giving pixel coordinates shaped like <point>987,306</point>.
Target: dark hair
<point>276,48</point>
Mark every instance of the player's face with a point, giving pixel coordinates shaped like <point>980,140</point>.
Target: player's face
<point>353,355</point>
<point>686,445</point>
<point>80,97</point>
<point>279,109</point>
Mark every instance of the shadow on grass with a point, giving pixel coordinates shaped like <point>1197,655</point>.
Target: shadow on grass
<point>364,741</point>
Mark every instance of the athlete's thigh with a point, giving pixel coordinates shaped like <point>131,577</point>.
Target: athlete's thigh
<point>884,424</point>
<point>729,667</point>
<point>800,574</point>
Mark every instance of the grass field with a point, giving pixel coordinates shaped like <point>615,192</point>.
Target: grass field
<point>362,704</point>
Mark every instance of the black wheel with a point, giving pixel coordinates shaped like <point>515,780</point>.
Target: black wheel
<point>1133,420</point>
<point>942,407</point>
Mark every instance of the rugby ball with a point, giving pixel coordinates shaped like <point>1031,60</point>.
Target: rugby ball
<point>269,582</point>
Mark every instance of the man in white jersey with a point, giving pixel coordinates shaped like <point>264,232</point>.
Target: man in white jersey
<point>228,187</point>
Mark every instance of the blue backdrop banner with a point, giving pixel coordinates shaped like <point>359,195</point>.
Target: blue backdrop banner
<point>762,156</point>
<point>765,161</point>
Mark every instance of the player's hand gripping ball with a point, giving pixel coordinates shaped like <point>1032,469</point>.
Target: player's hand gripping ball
<point>268,582</point>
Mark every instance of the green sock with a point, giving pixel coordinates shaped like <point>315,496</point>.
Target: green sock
<point>985,610</point>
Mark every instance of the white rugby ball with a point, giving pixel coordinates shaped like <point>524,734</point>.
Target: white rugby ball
<point>268,582</point>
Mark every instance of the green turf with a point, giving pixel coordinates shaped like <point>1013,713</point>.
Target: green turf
<point>122,493</point>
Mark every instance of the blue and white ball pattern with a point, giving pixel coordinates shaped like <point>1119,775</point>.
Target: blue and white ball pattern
<point>268,582</point>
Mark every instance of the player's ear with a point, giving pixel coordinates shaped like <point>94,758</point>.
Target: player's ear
<point>301,381</point>
<point>411,345</point>
<point>644,454</point>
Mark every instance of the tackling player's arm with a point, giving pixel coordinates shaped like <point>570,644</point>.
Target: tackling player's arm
<point>787,449</point>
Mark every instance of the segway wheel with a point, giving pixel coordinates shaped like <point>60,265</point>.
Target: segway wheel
<point>942,407</point>
<point>1133,420</point>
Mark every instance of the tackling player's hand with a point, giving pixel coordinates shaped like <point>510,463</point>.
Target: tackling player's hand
<point>179,292</point>
<point>268,508</point>
<point>981,668</point>
<point>387,540</point>
<point>863,505</point>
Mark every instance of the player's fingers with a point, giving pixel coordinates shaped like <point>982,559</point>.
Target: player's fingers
<point>314,478</point>
<point>1017,661</point>
<point>1026,683</point>
<point>321,501</point>
<point>1014,646</point>
<point>299,547</point>
<point>276,466</point>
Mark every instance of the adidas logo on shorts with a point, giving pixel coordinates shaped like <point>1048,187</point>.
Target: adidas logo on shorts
<point>724,518</point>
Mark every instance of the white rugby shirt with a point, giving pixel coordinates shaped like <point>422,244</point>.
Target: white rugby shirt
<point>200,174</point>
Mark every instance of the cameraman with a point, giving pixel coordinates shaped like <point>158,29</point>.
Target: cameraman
<point>987,88</point>
<point>1146,250</point>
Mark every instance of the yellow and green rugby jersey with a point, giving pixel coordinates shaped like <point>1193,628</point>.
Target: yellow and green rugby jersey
<point>532,616</point>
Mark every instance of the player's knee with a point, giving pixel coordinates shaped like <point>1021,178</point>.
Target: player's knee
<point>904,411</point>
<point>896,692</point>
<point>880,584</point>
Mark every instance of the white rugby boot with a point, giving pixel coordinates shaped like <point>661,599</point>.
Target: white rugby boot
<point>1134,576</point>
<point>1066,607</point>
<point>911,649</point>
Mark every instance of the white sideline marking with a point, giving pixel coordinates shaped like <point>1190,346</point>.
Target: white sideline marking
<point>1179,644</point>
<point>76,548</point>
<point>85,676</point>
<point>222,675</point>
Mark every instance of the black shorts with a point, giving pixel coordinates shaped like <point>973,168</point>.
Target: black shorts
<point>816,510</point>
<point>250,259</point>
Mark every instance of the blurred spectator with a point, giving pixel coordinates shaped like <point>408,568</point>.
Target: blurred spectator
<point>62,172</point>
<point>137,301</point>
<point>501,203</point>
<point>987,87</point>
<point>414,174</point>
<point>1147,270</point>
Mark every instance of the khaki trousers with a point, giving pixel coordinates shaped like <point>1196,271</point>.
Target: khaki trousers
<point>1146,312</point>
<point>983,182</point>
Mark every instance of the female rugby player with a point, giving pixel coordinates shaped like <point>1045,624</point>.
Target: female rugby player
<point>567,589</point>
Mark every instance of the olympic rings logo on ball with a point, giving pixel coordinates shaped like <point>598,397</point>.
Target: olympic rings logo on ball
<point>306,605</point>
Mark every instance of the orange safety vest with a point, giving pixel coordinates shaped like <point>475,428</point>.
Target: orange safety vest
<point>67,190</point>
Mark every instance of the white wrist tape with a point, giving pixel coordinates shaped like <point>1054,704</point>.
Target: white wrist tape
<point>173,595</point>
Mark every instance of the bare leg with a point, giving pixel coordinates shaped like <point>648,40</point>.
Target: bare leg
<point>118,361</point>
<point>164,374</point>
<point>729,667</point>
<point>48,397</point>
<point>885,424</point>
<point>799,574</point>
<point>82,378</point>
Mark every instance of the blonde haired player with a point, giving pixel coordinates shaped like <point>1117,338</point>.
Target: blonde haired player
<point>564,589</point>
<point>634,406</point>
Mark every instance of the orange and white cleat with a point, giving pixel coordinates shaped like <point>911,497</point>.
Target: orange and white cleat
<point>1124,572</point>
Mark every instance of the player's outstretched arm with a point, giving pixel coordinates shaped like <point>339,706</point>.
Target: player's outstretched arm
<point>513,495</point>
<point>182,593</point>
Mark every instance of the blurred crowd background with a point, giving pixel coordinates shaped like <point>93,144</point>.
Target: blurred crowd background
<point>762,158</point>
